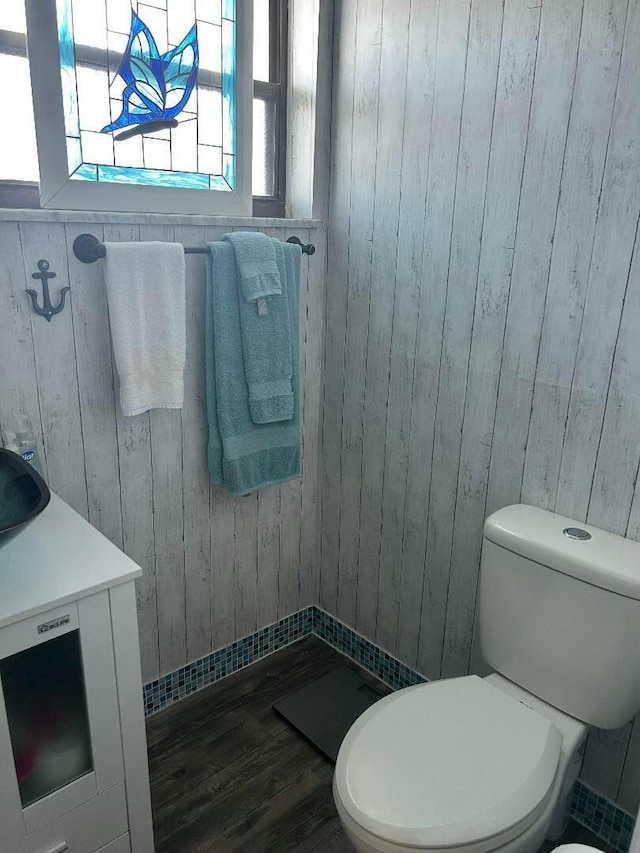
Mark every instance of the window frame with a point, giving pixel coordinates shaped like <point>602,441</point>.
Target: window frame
<point>275,205</point>
<point>17,193</point>
<point>26,194</point>
<point>58,190</point>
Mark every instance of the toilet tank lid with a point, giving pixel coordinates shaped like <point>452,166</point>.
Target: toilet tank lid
<point>604,560</point>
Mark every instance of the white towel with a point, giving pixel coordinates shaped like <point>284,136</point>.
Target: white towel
<point>146,295</point>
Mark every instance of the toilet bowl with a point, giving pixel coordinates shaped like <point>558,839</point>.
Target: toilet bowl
<point>469,764</point>
<point>472,765</point>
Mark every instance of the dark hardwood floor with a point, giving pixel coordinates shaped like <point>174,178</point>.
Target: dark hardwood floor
<point>228,774</point>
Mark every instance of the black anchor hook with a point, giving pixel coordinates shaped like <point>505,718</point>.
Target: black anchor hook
<point>48,310</point>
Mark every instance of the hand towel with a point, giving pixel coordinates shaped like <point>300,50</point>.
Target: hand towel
<point>243,455</point>
<point>146,297</point>
<point>266,348</point>
<point>257,268</point>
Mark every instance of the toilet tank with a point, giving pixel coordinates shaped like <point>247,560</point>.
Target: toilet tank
<point>560,612</point>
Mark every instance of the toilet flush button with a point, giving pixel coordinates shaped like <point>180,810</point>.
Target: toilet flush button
<point>577,533</point>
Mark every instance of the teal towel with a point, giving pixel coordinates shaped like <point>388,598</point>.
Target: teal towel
<point>256,259</point>
<point>266,348</point>
<point>244,456</point>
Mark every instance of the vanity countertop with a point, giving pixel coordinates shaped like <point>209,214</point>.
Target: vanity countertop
<point>58,557</point>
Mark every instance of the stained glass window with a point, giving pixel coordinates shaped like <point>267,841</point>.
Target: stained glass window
<point>189,144</point>
<point>149,91</point>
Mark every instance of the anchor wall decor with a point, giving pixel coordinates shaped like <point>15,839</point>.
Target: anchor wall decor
<point>48,310</point>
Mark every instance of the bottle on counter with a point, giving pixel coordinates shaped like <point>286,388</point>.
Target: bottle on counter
<point>10,441</point>
<point>27,445</point>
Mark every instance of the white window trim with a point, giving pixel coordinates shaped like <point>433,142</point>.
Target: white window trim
<point>58,191</point>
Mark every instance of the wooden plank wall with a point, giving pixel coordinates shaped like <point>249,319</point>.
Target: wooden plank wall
<point>483,307</point>
<point>215,568</point>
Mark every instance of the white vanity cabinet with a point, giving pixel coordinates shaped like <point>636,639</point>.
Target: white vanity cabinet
<point>73,762</point>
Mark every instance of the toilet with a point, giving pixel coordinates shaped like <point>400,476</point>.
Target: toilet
<point>487,764</point>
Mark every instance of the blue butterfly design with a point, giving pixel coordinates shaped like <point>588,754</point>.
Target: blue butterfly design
<point>158,86</point>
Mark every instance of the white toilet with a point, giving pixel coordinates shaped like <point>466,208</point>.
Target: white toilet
<point>487,764</point>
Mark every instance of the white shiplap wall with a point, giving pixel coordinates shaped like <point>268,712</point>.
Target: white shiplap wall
<point>483,307</point>
<point>215,568</point>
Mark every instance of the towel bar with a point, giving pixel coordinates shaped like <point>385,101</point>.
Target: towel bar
<point>89,249</point>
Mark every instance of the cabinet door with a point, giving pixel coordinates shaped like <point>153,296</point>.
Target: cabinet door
<point>59,709</point>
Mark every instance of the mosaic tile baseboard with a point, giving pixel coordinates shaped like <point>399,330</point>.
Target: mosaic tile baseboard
<point>211,668</point>
<point>604,818</point>
<point>363,652</point>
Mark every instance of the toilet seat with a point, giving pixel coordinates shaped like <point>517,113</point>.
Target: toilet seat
<point>447,764</point>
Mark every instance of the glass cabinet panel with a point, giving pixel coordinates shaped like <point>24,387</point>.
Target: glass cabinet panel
<point>44,694</point>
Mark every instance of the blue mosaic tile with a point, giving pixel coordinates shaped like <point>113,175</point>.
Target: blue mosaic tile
<point>367,655</point>
<point>211,668</point>
<point>604,818</point>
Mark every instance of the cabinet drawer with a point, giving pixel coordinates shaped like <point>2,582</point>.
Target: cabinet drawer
<point>120,845</point>
<point>86,829</point>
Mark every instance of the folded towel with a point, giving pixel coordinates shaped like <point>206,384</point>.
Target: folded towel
<point>145,292</point>
<point>257,267</point>
<point>243,455</point>
<point>266,348</point>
